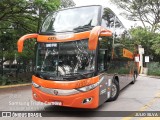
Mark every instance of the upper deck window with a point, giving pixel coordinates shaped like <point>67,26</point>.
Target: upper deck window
<point>75,19</point>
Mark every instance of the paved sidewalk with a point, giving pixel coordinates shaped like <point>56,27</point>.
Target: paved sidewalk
<point>157,77</point>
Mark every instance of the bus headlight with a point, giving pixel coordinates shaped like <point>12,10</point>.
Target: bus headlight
<point>87,88</point>
<point>35,85</point>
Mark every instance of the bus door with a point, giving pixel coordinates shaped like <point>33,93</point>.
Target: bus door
<point>103,63</point>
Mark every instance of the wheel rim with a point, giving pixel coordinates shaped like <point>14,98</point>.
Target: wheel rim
<point>114,90</point>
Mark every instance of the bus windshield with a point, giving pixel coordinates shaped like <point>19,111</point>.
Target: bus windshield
<point>65,60</point>
<point>75,19</point>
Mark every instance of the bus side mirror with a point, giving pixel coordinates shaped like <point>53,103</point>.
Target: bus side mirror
<point>94,34</point>
<point>23,38</point>
<point>106,33</point>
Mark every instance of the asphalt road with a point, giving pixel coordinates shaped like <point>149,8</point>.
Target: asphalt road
<point>144,95</point>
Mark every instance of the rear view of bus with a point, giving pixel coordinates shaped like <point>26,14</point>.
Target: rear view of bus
<point>67,69</point>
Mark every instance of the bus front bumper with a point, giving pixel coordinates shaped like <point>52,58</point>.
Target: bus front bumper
<point>89,99</point>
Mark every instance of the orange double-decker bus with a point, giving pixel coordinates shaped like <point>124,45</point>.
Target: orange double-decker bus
<point>81,59</point>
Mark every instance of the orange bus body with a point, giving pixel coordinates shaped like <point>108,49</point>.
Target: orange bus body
<point>89,92</point>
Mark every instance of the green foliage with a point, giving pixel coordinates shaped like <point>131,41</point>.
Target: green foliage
<point>8,80</point>
<point>3,80</point>
<point>156,44</point>
<point>20,17</point>
<point>154,68</point>
<point>29,50</point>
<point>150,41</point>
<point>146,11</point>
<point>67,3</point>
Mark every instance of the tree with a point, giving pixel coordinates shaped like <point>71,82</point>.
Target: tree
<point>67,3</point>
<point>146,11</point>
<point>19,17</point>
<point>45,6</point>
<point>156,44</point>
<point>149,41</point>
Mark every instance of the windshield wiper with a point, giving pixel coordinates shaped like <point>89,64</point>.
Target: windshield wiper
<point>75,75</point>
<point>80,75</point>
<point>85,27</point>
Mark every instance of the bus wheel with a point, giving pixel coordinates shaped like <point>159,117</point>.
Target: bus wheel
<point>134,78</point>
<point>114,91</point>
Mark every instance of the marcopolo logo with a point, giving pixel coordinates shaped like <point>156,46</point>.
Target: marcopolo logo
<point>55,92</point>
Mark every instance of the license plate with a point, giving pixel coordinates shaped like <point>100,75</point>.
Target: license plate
<point>57,103</point>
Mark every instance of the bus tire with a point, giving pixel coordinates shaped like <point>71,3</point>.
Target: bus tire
<point>114,91</point>
<point>134,78</point>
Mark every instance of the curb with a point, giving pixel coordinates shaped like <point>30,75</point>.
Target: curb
<point>12,86</point>
<point>157,77</point>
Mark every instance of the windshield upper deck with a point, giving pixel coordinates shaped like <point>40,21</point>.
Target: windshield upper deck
<point>73,19</point>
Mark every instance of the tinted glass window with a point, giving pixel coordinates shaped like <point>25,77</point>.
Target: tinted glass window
<point>108,18</point>
<point>71,20</point>
<point>104,53</point>
<point>67,58</point>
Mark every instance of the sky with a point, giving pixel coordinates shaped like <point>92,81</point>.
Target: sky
<point>106,3</point>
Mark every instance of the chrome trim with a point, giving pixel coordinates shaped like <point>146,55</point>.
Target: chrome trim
<point>58,92</point>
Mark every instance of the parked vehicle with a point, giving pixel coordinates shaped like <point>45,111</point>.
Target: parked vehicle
<point>81,58</point>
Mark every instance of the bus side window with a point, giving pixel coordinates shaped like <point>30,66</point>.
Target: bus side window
<point>118,51</point>
<point>101,60</point>
<point>104,53</point>
<point>108,18</point>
